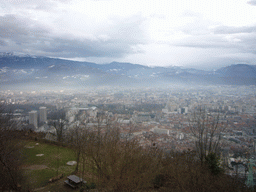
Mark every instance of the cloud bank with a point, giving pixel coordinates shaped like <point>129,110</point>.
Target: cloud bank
<point>184,33</point>
<point>20,34</point>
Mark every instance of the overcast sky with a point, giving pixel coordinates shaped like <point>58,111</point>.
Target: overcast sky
<point>197,33</point>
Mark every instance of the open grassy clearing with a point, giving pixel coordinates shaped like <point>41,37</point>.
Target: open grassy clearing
<point>39,169</point>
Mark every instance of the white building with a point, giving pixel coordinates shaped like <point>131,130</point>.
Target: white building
<point>180,136</point>
<point>161,131</point>
<point>141,117</point>
<point>33,118</point>
<point>42,114</point>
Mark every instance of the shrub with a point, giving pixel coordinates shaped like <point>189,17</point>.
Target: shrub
<point>213,163</point>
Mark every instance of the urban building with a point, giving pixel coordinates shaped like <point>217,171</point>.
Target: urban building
<point>33,118</point>
<point>42,114</point>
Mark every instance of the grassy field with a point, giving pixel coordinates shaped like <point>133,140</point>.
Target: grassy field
<point>39,169</point>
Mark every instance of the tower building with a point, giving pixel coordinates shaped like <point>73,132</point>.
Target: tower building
<point>42,114</point>
<point>33,118</point>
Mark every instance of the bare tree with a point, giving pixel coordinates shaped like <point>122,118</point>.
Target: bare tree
<point>112,161</point>
<point>78,137</point>
<point>59,126</point>
<point>10,155</point>
<point>120,164</point>
<point>207,129</point>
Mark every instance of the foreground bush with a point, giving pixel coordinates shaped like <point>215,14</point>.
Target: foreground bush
<point>184,172</point>
<point>10,156</point>
<point>116,164</point>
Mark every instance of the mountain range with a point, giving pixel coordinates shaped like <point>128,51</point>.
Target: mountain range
<point>30,72</point>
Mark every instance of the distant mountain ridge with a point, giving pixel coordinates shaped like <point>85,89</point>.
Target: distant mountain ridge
<point>30,72</point>
<point>238,70</point>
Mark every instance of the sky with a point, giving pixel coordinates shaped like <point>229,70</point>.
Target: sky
<point>189,33</point>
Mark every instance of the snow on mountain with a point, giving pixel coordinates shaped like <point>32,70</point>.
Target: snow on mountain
<point>43,71</point>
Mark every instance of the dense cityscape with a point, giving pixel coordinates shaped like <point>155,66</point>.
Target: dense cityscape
<point>157,117</point>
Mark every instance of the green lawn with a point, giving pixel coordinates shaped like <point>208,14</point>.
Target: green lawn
<point>55,158</point>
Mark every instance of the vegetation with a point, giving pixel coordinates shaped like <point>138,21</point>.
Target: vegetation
<point>54,162</point>
<point>108,162</point>
<point>10,157</point>
<point>207,130</point>
<point>183,172</point>
<point>116,164</point>
<point>213,163</point>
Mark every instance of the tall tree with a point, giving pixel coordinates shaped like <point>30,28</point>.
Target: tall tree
<point>207,129</point>
<point>77,138</point>
<point>10,155</point>
<point>59,126</point>
<point>120,164</point>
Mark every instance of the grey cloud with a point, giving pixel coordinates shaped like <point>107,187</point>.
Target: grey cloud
<point>15,28</point>
<point>243,43</point>
<point>28,36</point>
<point>245,37</point>
<point>158,16</point>
<point>201,35</point>
<point>233,30</point>
<point>2,43</point>
<point>248,43</point>
<point>199,26</point>
<point>81,48</point>
<point>102,0</point>
<point>252,2</point>
<point>189,13</point>
<point>206,41</point>
<point>127,30</point>
<point>31,4</point>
